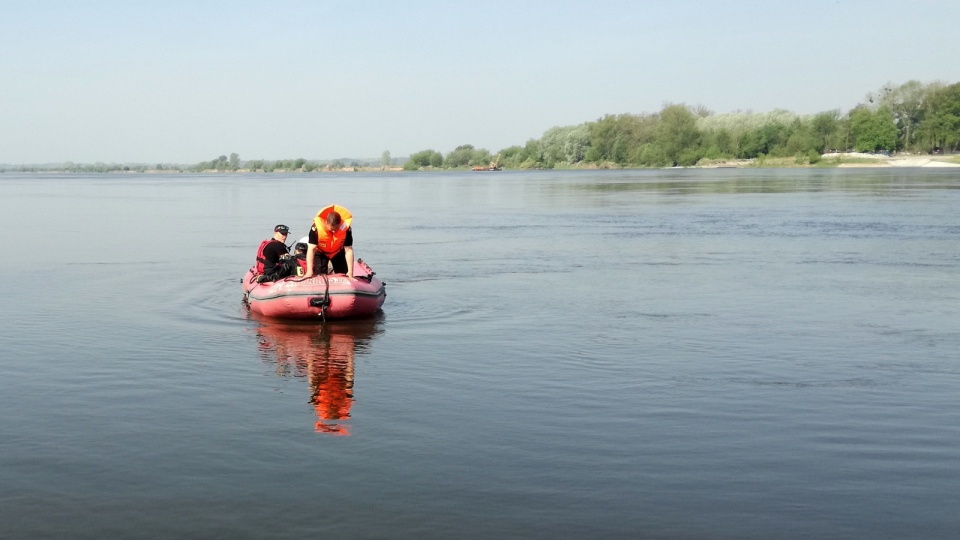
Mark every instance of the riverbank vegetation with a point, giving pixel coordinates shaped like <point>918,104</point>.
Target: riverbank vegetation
<point>911,118</point>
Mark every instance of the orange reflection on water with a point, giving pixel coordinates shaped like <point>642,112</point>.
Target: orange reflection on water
<point>324,354</point>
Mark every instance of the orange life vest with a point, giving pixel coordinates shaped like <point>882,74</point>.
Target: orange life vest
<point>331,244</point>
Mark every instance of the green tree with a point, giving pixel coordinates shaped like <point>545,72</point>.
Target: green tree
<point>767,139</point>
<point>424,158</point>
<point>907,103</point>
<point>385,159</point>
<point>750,134</point>
<point>718,143</point>
<point>532,155</point>
<point>576,142</point>
<point>481,158</point>
<point>824,126</point>
<point>566,145</point>
<point>652,155</point>
<point>800,139</point>
<point>873,130</point>
<point>509,156</point>
<point>617,138</point>
<point>678,135</point>
<point>941,123</point>
<point>522,157</point>
<point>551,146</point>
<point>234,161</point>
<point>460,156</point>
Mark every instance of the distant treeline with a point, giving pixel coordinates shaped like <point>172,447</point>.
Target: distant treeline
<point>220,164</point>
<point>89,168</point>
<point>233,163</point>
<point>912,117</point>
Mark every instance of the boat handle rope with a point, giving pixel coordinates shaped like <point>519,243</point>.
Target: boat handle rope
<point>322,302</point>
<point>326,299</point>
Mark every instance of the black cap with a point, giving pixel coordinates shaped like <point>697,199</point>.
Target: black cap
<point>281,229</point>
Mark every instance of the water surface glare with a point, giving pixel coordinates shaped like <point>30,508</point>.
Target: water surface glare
<point>606,354</point>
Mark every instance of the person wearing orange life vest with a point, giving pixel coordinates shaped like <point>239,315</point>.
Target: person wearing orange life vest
<point>331,240</point>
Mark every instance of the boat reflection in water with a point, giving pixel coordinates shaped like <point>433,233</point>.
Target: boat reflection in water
<point>324,354</point>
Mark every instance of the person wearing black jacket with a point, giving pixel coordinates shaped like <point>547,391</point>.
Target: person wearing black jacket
<point>274,257</point>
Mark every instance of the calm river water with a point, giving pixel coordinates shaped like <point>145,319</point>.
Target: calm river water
<point>662,354</point>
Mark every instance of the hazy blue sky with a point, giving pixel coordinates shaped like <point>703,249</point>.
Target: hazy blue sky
<point>185,81</point>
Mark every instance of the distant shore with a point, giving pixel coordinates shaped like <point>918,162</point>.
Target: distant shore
<point>846,160</point>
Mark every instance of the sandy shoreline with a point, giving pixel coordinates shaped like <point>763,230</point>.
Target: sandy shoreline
<point>879,160</point>
<point>856,159</point>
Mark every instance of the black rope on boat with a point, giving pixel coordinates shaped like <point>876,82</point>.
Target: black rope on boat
<point>326,299</point>
<point>246,294</point>
<point>322,302</point>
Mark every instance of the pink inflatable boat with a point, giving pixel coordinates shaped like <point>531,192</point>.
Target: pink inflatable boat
<point>318,297</point>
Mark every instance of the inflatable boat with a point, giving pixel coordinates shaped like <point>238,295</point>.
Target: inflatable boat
<point>322,297</point>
